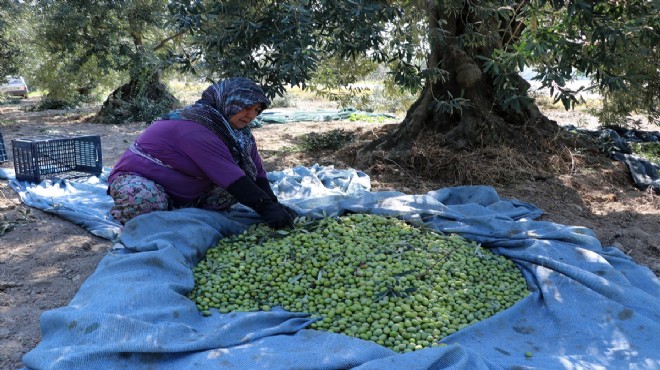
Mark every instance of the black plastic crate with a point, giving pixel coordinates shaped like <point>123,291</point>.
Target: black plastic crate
<point>39,157</point>
<point>3,152</point>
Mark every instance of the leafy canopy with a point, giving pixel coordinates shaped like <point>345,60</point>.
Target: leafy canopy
<point>279,42</point>
<point>95,45</point>
<point>9,50</point>
<point>283,43</point>
<point>613,42</point>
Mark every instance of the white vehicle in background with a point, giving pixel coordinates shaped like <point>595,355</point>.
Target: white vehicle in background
<point>14,86</point>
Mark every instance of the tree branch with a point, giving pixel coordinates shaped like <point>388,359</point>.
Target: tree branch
<point>168,39</point>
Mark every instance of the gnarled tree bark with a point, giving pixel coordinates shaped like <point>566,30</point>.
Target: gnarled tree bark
<point>482,121</point>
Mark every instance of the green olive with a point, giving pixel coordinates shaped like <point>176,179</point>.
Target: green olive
<point>368,276</point>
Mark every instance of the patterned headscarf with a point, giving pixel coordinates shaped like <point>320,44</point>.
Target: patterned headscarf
<point>220,102</point>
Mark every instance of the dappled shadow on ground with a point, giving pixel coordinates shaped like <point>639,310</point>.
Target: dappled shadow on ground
<point>43,261</point>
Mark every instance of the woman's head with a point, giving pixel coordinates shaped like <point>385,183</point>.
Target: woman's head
<point>243,117</point>
<point>239,99</point>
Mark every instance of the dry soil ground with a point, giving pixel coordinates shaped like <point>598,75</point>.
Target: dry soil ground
<point>44,259</point>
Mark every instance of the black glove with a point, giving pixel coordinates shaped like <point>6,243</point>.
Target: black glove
<point>264,185</point>
<point>293,214</point>
<point>247,192</point>
<point>276,215</point>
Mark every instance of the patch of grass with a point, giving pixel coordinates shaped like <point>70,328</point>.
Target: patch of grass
<point>49,103</point>
<point>331,140</point>
<point>353,117</point>
<point>649,151</point>
<point>289,149</point>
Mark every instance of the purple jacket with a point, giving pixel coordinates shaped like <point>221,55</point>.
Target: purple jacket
<point>198,159</point>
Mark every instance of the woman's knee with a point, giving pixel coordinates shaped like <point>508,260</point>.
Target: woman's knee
<point>135,195</point>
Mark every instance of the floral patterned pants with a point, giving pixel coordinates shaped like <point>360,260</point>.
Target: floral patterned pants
<point>135,195</point>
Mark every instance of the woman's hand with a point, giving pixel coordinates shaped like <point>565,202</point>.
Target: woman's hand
<point>291,212</point>
<point>277,215</point>
<point>263,202</point>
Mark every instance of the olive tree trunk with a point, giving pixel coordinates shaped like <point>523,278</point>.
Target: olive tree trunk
<point>136,101</point>
<point>481,122</point>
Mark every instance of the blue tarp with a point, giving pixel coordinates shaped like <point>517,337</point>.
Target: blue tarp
<point>591,307</point>
<point>615,141</point>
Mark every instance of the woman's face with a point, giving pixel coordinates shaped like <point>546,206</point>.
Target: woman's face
<point>244,117</point>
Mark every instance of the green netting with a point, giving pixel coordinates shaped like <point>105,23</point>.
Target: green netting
<point>316,116</point>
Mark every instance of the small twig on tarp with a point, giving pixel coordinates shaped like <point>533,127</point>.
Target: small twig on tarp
<point>8,284</point>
